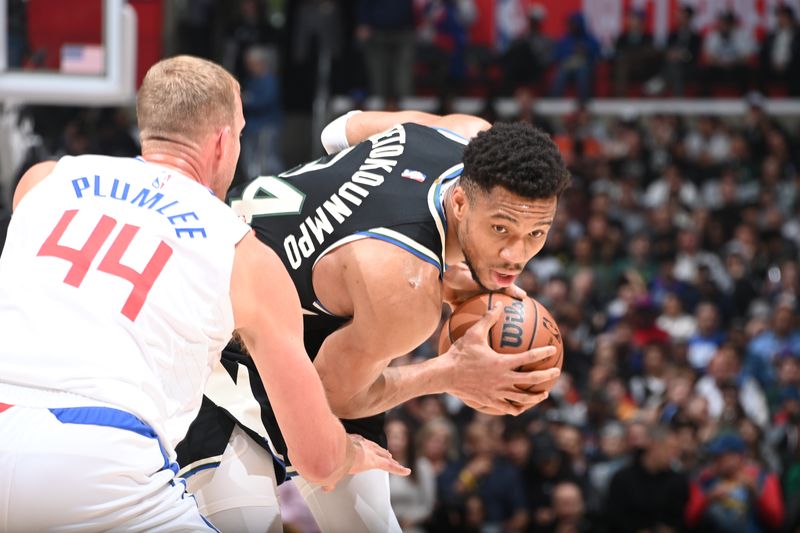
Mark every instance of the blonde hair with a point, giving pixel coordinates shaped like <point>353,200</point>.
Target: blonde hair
<point>429,428</point>
<point>185,97</point>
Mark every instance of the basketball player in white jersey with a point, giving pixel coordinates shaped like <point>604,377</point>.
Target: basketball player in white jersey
<point>121,281</point>
<point>371,236</point>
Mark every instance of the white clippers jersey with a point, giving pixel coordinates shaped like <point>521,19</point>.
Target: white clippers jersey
<point>115,285</point>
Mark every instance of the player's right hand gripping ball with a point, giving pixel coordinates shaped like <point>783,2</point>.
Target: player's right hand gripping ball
<point>523,324</point>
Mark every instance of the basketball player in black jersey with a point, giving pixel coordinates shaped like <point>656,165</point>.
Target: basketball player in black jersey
<point>367,235</point>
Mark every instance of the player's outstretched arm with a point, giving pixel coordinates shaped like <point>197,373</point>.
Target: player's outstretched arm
<point>269,320</point>
<point>396,306</point>
<point>355,127</point>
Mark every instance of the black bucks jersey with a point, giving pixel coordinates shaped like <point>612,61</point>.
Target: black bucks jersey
<point>388,187</point>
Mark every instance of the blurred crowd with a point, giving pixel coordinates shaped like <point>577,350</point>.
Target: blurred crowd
<point>448,48</point>
<point>435,42</point>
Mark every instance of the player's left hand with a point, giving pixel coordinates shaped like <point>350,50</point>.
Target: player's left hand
<point>458,286</point>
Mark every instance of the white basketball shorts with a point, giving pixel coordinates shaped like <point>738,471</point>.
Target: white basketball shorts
<point>86,469</point>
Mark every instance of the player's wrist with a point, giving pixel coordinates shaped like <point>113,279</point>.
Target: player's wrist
<point>351,462</point>
<point>334,135</point>
<point>440,373</point>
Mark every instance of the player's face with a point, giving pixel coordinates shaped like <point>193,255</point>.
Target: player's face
<point>500,232</point>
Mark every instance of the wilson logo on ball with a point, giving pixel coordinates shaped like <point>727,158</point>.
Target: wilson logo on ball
<point>511,335</point>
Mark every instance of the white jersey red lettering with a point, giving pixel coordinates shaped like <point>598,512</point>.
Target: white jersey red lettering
<point>122,243</point>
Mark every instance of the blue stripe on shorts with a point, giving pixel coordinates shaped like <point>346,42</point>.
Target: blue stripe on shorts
<point>113,418</point>
<point>116,418</point>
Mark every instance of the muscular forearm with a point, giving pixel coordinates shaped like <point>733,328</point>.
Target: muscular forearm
<point>396,385</point>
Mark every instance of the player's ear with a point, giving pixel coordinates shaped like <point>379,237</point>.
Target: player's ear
<point>222,142</point>
<point>460,201</point>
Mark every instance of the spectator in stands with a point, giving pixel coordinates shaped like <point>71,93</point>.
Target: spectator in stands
<point>791,490</point>
<point>639,258</point>
<point>114,134</point>
<point>743,291</point>
<point>782,337</point>
<point>731,394</point>
<point>709,337</point>
<point>758,447</point>
<point>249,28</point>
<point>550,469</point>
<point>575,55</point>
<point>649,494</point>
<point>569,511</point>
<point>442,36</point>
<point>635,56</point>
<point>728,52</point>
<point>784,435</point>
<point>648,388</point>
<point>671,185</point>
<point>487,475</point>
<point>691,258</point>
<point>510,23</point>
<point>386,30</point>
<point>569,440</point>
<point>76,138</point>
<point>528,56</point>
<point>436,442</point>
<point>18,46</point>
<point>788,378</point>
<point>526,102</point>
<point>413,497</point>
<point>518,448</point>
<point>707,146</point>
<point>679,325</point>
<point>779,58</point>
<point>733,494</point>
<point>261,100</point>
<point>626,150</point>
<point>742,160</point>
<point>681,55</point>
<point>612,456</point>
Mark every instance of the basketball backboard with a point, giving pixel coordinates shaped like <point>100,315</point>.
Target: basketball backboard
<point>73,63</point>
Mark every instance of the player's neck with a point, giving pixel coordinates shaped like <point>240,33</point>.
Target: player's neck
<point>186,160</point>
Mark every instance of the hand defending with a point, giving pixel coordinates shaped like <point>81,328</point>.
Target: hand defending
<point>367,455</point>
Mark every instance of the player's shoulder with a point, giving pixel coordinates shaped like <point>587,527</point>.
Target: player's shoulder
<point>384,268</point>
<point>460,127</point>
<point>434,133</point>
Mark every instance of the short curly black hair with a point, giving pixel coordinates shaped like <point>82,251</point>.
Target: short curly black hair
<point>518,157</point>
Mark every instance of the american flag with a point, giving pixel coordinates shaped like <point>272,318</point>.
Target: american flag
<point>82,59</point>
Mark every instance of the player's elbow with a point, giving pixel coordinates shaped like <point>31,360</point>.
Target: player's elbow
<point>349,408</point>
<point>350,404</point>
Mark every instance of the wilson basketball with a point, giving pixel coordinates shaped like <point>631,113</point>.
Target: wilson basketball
<point>523,324</point>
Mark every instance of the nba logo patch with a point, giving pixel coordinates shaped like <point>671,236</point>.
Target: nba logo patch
<point>415,175</point>
<point>160,181</point>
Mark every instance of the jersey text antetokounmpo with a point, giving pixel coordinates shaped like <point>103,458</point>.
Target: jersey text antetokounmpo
<point>386,148</point>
